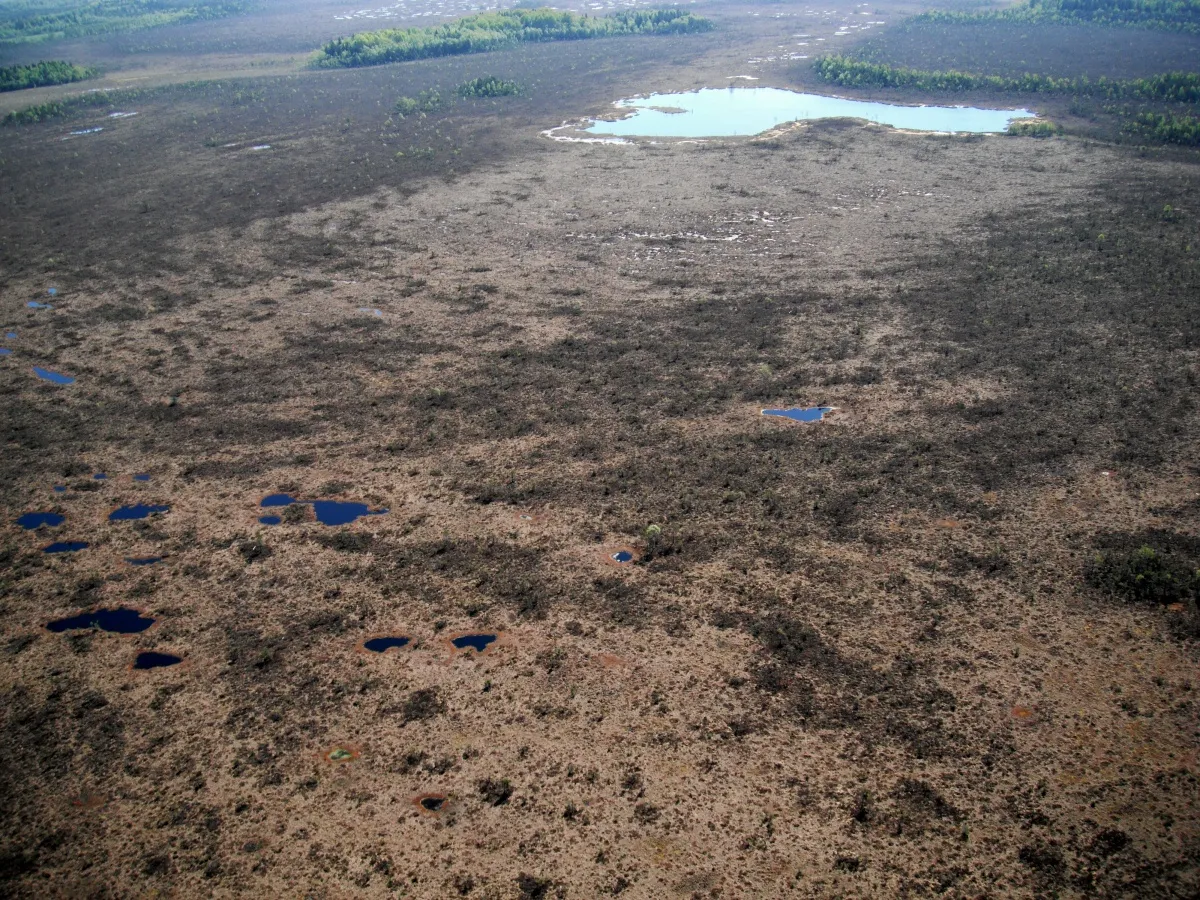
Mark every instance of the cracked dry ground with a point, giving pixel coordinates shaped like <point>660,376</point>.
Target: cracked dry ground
<point>857,658</point>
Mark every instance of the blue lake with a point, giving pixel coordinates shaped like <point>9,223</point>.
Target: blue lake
<point>477,642</point>
<point>148,659</point>
<point>340,512</point>
<point>812,414</point>
<point>138,511</point>
<point>56,377</point>
<point>65,547</point>
<point>34,304</point>
<point>622,556</point>
<point>122,620</point>
<point>725,112</point>
<point>278,500</point>
<point>31,520</point>
<point>270,520</point>
<point>383,644</point>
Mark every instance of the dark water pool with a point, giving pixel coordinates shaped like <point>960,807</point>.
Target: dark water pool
<point>278,500</point>
<point>60,489</point>
<point>141,476</point>
<point>622,556</point>
<point>341,512</point>
<point>120,620</point>
<point>100,476</point>
<point>143,560</point>
<point>31,520</point>
<point>137,511</point>
<point>148,659</point>
<point>270,520</point>
<point>433,804</point>
<point>383,644</point>
<point>65,547</point>
<point>476,642</point>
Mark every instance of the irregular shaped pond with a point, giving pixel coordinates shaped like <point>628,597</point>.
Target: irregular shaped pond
<point>141,476</point>
<point>99,476</point>
<point>278,500</point>
<point>137,511</point>
<point>121,620</point>
<point>65,547</point>
<point>34,304</point>
<point>432,802</point>
<point>477,642</point>
<point>270,520</point>
<point>143,560</point>
<point>56,377</point>
<point>384,644</point>
<point>725,112</point>
<point>148,659</point>
<point>812,414</point>
<point>340,512</point>
<point>32,520</point>
<point>622,556</point>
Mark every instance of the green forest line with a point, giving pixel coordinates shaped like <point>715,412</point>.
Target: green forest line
<point>41,74</point>
<point>493,31</point>
<point>1169,15</point>
<point>35,21</point>
<point>1171,87</point>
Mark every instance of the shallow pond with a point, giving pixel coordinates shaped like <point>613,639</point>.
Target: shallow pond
<point>138,511</point>
<point>622,556</point>
<point>477,642</point>
<point>4,351</point>
<point>278,500</point>
<point>724,112</point>
<point>56,377</point>
<point>148,659</point>
<point>65,547</point>
<point>384,644</point>
<point>143,560</point>
<point>270,520</point>
<point>141,476</point>
<point>341,512</point>
<point>122,620</point>
<point>32,520</point>
<point>797,414</point>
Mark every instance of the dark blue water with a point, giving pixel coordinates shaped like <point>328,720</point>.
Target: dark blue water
<point>143,560</point>
<point>138,511</point>
<point>32,520</point>
<point>339,512</point>
<point>100,476</point>
<point>141,476</point>
<point>56,377</point>
<point>477,642</point>
<point>813,414</point>
<point>383,644</point>
<point>4,351</point>
<point>622,556</point>
<point>278,500</point>
<point>60,489</point>
<point>269,520</point>
<point>65,547</point>
<point>121,620</point>
<point>33,304</point>
<point>148,659</point>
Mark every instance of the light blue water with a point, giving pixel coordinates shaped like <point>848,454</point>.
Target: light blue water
<point>33,304</point>
<point>813,414</point>
<point>56,377</point>
<point>10,335</point>
<point>715,112</point>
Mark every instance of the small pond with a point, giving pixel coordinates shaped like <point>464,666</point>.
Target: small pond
<point>622,556</point>
<point>137,511</point>
<point>148,659</point>
<point>10,335</point>
<point>65,547</point>
<point>433,804</point>
<point>384,644</point>
<point>56,377</point>
<point>270,520</point>
<point>34,304</point>
<point>100,476</point>
<point>797,414</point>
<point>476,642</point>
<point>341,512</point>
<point>726,112</point>
<point>122,620</point>
<point>143,560</point>
<point>141,476</point>
<point>277,500</point>
<point>32,520</point>
<point>4,351</point>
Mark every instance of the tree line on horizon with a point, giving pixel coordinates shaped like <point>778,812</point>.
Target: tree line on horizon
<point>42,74</point>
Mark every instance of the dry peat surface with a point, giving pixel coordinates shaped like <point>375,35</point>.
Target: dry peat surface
<point>540,604</point>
